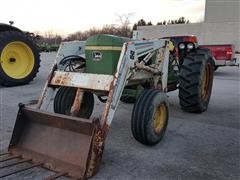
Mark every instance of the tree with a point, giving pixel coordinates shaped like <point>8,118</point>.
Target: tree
<point>125,24</point>
<point>141,22</point>
<point>161,23</point>
<point>149,23</point>
<point>180,20</point>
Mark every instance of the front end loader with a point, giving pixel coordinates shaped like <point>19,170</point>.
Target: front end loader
<point>69,141</point>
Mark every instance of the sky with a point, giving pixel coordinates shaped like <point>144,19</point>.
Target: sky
<point>68,16</point>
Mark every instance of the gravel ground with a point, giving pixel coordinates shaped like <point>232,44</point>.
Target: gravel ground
<point>195,146</point>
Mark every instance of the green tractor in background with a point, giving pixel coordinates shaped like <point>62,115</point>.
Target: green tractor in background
<point>19,56</point>
<point>45,47</point>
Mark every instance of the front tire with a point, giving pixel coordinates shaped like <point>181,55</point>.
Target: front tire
<point>19,59</point>
<point>64,99</point>
<point>150,117</point>
<point>195,81</point>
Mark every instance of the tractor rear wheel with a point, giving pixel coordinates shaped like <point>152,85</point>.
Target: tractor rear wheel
<point>150,117</point>
<point>195,81</point>
<point>19,58</point>
<point>64,99</point>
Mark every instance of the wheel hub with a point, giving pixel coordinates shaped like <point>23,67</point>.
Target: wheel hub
<point>205,82</point>
<point>12,60</point>
<point>17,60</point>
<point>160,118</point>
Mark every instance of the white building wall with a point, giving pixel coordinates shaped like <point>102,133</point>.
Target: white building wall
<point>221,26</point>
<point>207,33</point>
<point>222,11</point>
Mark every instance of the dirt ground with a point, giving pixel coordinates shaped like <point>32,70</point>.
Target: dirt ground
<point>195,146</point>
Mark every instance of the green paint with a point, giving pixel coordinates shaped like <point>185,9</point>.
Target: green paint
<point>132,91</point>
<point>172,77</point>
<point>107,64</point>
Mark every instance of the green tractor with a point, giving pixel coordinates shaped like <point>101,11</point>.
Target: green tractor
<point>19,56</point>
<point>69,140</point>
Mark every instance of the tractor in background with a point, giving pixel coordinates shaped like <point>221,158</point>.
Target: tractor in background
<point>19,56</point>
<point>190,71</point>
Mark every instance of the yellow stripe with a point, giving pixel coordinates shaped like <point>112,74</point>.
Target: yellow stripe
<point>104,48</point>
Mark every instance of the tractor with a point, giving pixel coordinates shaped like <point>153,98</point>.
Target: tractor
<point>19,56</point>
<point>68,140</point>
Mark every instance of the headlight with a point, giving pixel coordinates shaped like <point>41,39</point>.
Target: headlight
<point>181,46</point>
<point>190,45</point>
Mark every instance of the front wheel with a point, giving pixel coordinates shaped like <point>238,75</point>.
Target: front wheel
<point>150,117</point>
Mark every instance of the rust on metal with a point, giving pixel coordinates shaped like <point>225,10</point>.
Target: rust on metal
<point>147,58</point>
<point>96,152</point>
<point>160,56</point>
<point>77,102</point>
<point>103,120</point>
<point>100,82</point>
<point>146,68</point>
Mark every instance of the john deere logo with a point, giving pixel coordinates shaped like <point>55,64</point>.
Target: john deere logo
<point>97,56</point>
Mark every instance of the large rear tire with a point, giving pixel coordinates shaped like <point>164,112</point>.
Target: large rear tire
<point>150,117</point>
<point>19,58</point>
<point>64,99</point>
<point>195,81</point>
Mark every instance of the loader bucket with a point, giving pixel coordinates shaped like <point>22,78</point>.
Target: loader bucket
<point>61,143</point>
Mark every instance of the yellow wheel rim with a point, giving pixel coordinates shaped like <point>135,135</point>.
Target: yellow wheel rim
<point>17,60</point>
<point>205,82</point>
<point>160,117</point>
